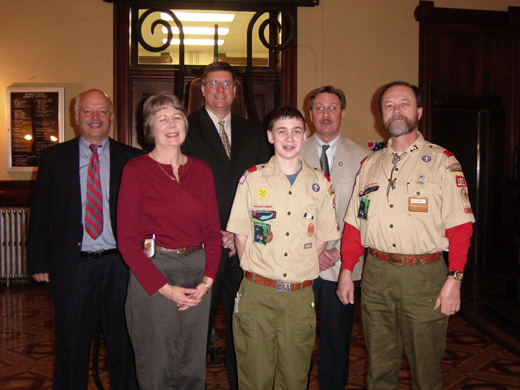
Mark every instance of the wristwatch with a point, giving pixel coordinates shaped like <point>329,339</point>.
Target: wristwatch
<point>457,275</point>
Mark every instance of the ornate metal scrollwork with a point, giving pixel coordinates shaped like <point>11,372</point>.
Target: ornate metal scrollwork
<point>272,23</point>
<point>179,85</point>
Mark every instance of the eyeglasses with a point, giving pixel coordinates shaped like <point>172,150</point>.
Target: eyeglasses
<point>215,84</point>
<point>332,109</point>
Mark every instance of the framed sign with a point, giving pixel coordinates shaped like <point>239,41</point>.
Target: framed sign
<point>34,121</point>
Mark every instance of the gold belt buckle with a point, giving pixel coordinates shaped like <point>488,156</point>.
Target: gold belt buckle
<point>396,259</point>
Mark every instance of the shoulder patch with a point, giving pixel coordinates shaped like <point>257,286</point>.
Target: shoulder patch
<point>448,153</point>
<point>252,169</point>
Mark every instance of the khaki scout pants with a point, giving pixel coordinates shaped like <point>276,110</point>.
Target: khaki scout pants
<point>274,337</point>
<point>397,311</point>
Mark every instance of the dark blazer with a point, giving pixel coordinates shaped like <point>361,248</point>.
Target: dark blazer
<point>56,228</point>
<point>248,148</point>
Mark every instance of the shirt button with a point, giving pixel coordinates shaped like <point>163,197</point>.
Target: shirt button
<point>290,192</point>
<point>288,213</point>
<point>417,193</point>
<point>285,254</point>
<point>393,245</point>
<point>287,233</point>
<point>391,226</point>
<point>284,275</point>
<point>391,206</point>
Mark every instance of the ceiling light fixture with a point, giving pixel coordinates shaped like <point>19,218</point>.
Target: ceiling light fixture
<point>196,42</point>
<point>199,17</point>
<point>198,30</point>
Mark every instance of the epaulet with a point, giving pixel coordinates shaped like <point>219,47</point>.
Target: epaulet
<point>362,161</point>
<point>252,169</point>
<point>448,153</point>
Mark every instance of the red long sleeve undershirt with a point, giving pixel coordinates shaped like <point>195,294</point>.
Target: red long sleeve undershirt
<point>458,236</point>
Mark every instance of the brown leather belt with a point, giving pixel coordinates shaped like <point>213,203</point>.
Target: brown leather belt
<point>277,284</point>
<point>186,249</point>
<point>402,260</point>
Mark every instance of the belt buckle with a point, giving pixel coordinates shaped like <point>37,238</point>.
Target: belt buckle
<point>396,259</point>
<point>282,286</point>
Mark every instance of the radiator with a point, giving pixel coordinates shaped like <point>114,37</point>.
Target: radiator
<point>14,222</point>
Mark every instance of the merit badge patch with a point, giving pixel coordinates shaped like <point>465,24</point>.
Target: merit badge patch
<point>310,230</point>
<point>315,187</point>
<point>263,215</point>
<point>454,168</point>
<point>464,195</point>
<point>242,179</point>
<point>307,245</point>
<point>364,203</point>
<point>368,189</point>
<point>330,191</point>
<point>461,182</point>
<point>262,232</point>
<point>262,193</point>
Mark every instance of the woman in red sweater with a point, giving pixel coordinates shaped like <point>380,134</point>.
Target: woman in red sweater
<point>170,198</point>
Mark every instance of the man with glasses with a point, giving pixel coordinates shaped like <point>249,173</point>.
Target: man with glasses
<point>230,144</point>
<point>410,204</point>
<point>340,158</point>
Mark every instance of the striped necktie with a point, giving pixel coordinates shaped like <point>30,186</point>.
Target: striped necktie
<point>224,137</point>
<point>94,207</point>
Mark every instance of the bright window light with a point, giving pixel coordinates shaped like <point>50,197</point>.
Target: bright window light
<point>196,42</point>
<point>199,17</point>
<point>197,30</point>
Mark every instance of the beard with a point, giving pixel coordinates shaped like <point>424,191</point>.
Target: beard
<point>402,127</point>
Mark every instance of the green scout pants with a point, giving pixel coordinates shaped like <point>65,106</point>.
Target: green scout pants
<point>397,311</point>
<point>274,337</point>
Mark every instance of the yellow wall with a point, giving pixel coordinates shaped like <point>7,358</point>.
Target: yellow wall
<point>360,45</point>
<point>357,45</point>
<point>58,43</point>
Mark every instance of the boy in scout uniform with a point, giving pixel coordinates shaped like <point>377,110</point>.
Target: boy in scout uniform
<point>410,203</point>
<point>283,215</point>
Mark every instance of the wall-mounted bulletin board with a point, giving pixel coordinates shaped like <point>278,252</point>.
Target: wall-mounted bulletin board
<point>34,121</point>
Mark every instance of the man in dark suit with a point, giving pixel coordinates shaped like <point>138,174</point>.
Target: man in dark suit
<point>230,144</point>
<point>72,247</point>
<point>340,158</point>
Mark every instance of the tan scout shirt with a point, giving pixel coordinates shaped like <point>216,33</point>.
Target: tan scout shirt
<point>283,222</point>
<point>429,196</point>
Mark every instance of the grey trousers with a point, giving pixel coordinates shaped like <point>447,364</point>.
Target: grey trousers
<point>169,345</point>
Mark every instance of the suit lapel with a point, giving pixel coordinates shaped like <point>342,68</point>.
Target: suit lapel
<point>311,154</point>
<point>237,141</point>
<point>72,176</point>
<point>342,160</point>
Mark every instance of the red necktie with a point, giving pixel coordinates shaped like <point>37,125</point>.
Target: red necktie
<point>94,207</point>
